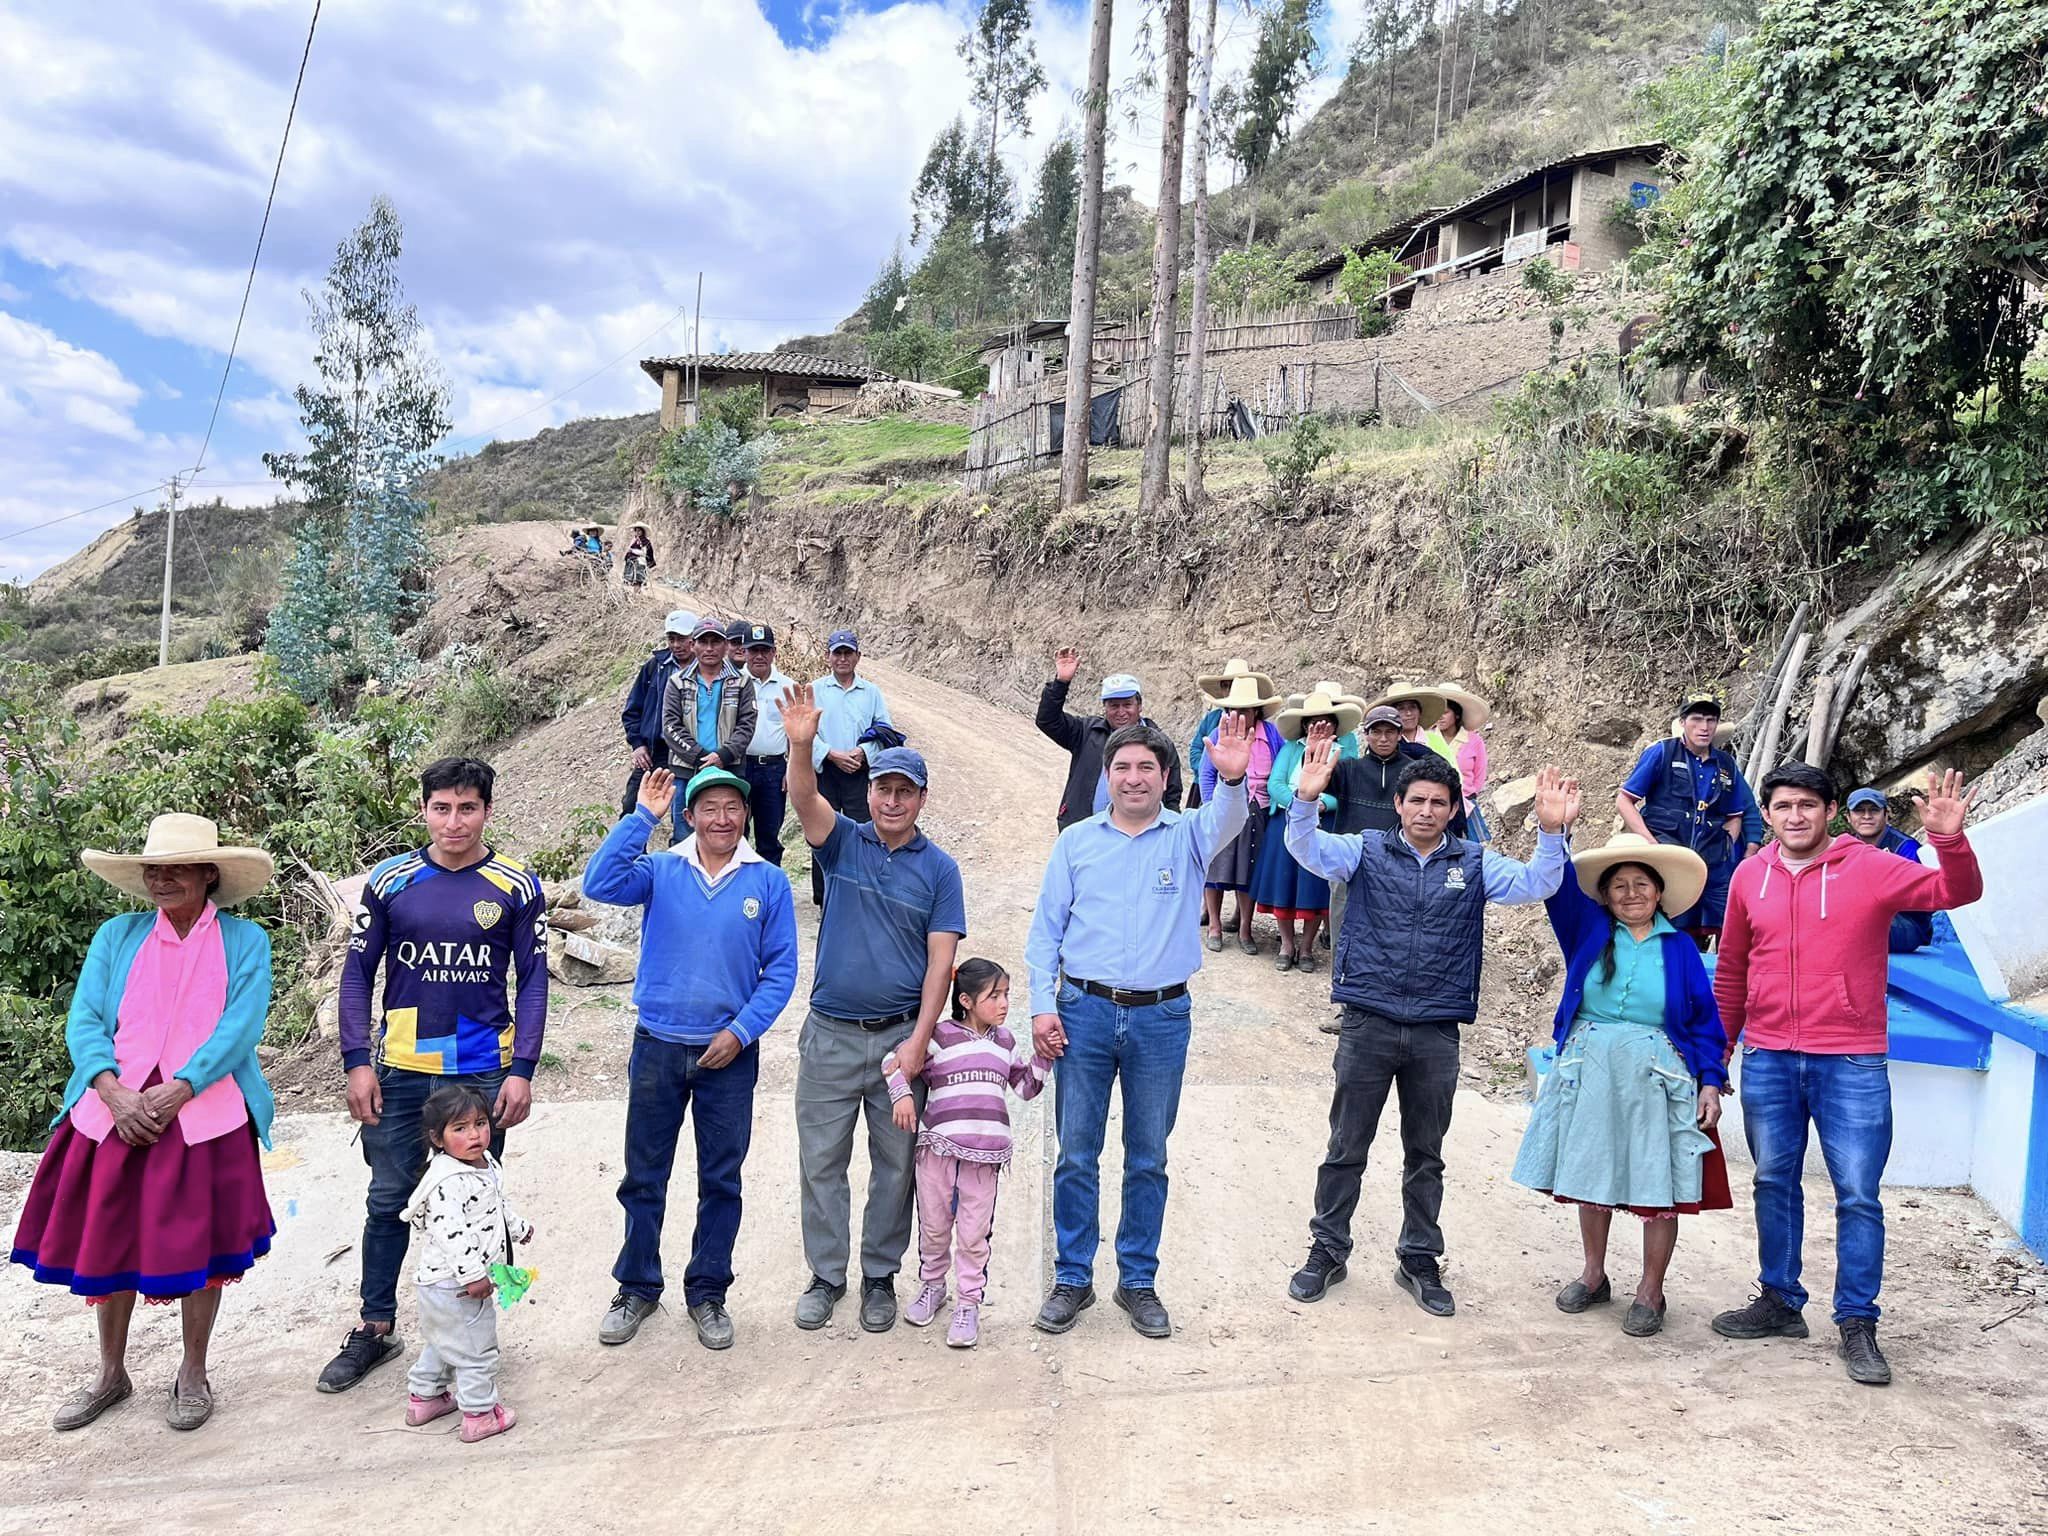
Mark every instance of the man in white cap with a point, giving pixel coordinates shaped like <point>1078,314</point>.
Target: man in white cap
<point>1082,736</point>
<point>642,715</point>
<point>851,710</point>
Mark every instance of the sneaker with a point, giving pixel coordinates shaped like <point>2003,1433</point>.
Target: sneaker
<point>878,1305</point>
<point>965,1328</point>
<point>925,1305</point>
<point>1063,1307</point>
<point>481,1426</point>
<point>1859,1351</point>
<point>424,1410</point>
<point>1766,1317</point>
<point>1316,1276</point>
<point>627,1313</point>
<point>814,1307</point>
<point>1418,1275</point>
<point>714,1324</point>
<point>361,1353</point>
<point>1148,1312</point>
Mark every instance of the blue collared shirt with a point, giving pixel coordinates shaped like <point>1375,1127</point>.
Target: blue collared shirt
<point>1509,882</point>
<point>881,908</point>
<point>1120,909</point>
<point>844,714</point>
<point>769,692</point>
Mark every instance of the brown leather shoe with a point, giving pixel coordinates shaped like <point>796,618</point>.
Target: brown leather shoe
<point>189,1410</point>
<point>81,1407</point>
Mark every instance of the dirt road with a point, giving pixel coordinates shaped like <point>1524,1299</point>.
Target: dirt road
<point>1357,1414</point>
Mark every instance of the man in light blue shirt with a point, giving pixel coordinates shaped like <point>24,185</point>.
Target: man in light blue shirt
<point>768,751</point>
<point>849,706</point>
<point>1113,942</point>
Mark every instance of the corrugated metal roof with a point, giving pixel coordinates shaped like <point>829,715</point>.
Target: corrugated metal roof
<point>1388,234</point>
<point>806,365</point>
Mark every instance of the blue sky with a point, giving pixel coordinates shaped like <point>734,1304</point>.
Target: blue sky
<point>563,169</point>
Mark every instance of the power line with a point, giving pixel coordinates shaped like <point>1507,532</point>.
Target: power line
<point>489,432</point>
<point>82,512</point>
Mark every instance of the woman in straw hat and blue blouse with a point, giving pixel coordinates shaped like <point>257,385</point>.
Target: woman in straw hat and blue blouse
<point>1299,900</point>
<point>1627,1114</point>
<point>151,1183</point>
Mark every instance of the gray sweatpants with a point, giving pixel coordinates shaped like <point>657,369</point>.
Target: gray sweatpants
<point>838,1077</point>
<point>461,1345</point>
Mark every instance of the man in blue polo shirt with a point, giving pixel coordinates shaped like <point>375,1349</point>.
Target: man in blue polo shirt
<point>886,945</point>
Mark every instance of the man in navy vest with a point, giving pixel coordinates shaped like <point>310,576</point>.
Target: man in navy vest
<point>1407,972</point>
<point>1688,792</point>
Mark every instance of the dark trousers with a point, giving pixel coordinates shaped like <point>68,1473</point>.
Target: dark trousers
<point>664,1079</point>
<point>1420,1062</point>
<point>768,802</point>
<point>846,793</point>
<point>657,756</point>
<point>397,1151</point>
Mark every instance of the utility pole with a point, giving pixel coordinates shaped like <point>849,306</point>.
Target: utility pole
<point>163,634</point>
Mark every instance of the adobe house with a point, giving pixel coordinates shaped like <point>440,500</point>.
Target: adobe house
<point>791,382</point>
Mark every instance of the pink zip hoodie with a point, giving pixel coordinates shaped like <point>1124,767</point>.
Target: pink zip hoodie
<point>1803,959</point>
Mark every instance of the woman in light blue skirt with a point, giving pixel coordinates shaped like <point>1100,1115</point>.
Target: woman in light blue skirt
<point>1626,1117</point>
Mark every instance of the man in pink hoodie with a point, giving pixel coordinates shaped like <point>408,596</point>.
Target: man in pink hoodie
<point>1802,972</point>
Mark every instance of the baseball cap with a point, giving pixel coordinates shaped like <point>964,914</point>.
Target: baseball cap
<point>1868,796</point>
<point>708,625</point>
<point>759,634</point>
<point>842,640</point>
<point>682,622</point>
<point>1699,704</point>
<point>714,778</point>
<point>1381,714</point>
<point>903,760</point>
<point>1121,685</point>
<point>736,631</point>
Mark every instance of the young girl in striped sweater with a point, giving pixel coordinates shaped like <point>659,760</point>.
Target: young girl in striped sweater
<point>965,1140</point>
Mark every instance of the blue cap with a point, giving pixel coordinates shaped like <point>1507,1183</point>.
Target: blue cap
<point>1121,685</point>
<point>1867,796</point>
<point>842,640</point>
<point>903,760</point>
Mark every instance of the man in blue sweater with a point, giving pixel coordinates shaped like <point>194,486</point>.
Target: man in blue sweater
<point>717,965</point>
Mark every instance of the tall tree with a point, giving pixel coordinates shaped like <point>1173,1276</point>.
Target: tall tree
<point>1198,336</point>
<point>1154,475</point>
<point>887,295</point>
<point>1283,61</point>
<point>948,186</point>
<point>1003,76</point>
<point>1087,249</point>
<point>1055,209</point>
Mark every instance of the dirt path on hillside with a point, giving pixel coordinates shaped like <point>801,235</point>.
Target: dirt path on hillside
<point>1357,1414</point>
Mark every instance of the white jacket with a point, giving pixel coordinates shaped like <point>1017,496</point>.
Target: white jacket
<point>464,1222</point>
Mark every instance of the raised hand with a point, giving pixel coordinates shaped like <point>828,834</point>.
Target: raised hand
<point>657,792</point>
<point>1066,661</point>
<point>1230,754</point>
<point>1318,765</point>
<point>1945,805</point>
<point>1557,799</point>
<point>800,717</point>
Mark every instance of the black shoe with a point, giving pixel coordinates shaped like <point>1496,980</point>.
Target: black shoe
<point>1418,1275</point>
<point>1766,1317</point>
<point>1316,1276</point>
<point>624,1317</point>
<point>1860,1353</point>
<point>814,1307</point>
<point>878,1305</point>
<point>714,1324</point>
<point>1148,1312</point>
<point>361,1353</point>
<point>1063,1307</point>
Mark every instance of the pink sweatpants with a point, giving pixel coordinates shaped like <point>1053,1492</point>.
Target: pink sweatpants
<point>956,1210</point>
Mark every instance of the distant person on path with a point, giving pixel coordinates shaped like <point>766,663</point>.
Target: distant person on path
<point>152,1183</point>
<point>881,979</point>
<point>1082,736</point>
<point>1407,972</point>
<point>1298,899</point>
<point>1870,821</point>
<point>453,925</point>
<point>1627,1113</point>
<point>768,751</point>
<point>1801,988</point>
<point>1688,792</point>
<point>717,966</point>
<point>708,712</point>
<point>849,707</point>
<point>963,1144</point>
<point>639,556</point>
<point>642,715</point>
<point>1112,945</point>
<point>1232,863</point>
<point>1458,728</point>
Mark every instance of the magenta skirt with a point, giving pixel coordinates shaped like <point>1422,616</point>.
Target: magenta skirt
<point>165,1220</point>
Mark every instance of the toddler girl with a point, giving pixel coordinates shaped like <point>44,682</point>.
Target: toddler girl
<point>965,1141</point>
<point>465,1226</point>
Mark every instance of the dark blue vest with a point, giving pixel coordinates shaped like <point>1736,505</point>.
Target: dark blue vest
<point>1413,931</point>
<point>1673,811</point>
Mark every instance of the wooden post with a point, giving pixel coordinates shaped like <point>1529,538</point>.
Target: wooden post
<point>671,392</point>
<point>1852,678</point>
<point>1154,476</point>
<point>1087,242</point>
<point>1774,724</point>
<point>1817,721</point>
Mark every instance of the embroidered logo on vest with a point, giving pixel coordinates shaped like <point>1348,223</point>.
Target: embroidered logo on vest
<point>751,908</point>
<point>1454,880</point>
<point>486,913</point>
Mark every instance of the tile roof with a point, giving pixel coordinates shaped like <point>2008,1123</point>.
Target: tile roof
<point>807,365</point>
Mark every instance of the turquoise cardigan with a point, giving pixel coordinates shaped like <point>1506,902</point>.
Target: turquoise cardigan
<point>230,1051</point>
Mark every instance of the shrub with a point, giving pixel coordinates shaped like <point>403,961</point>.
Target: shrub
<point>1363,283</point>
<point>707,463</point>
<point>1293,459</point>
<point>564,858</point>
<point>34,1067</point>
<point>739,407</point>
<point>480,707</point>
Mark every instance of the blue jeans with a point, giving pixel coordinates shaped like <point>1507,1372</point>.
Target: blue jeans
<point>768,802</point>
<point>396,1150</point>
<point>1147,1048</point>
<point>1849,1101</point>
<point>663,1079</point>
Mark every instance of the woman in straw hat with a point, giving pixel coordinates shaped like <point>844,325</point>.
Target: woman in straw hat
<point>1213,687</point>
<point>1626,1117</point>
<point>1458,728</point>
<point>1419,709</point>
<point>1299,900</point>
<point>151,1182</point>
<point>1252,700</point>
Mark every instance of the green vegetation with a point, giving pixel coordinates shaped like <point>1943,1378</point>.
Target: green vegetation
<point>566,856</point>
<point>813,457</point>
<point>1293,459</point>
<point>477,706</point>
<point>711,464</point>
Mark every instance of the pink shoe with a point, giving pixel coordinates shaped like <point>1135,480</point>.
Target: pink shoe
<point>966,1325</point>
<point>481,1426</point>
<point>424,1410</point>
<point>930,1297</point>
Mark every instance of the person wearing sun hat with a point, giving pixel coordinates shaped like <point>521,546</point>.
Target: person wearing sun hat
<point>1297,899</point>
<point>1458,727</point>
<point>1420,708</point>
<point>1213,686</point>
<point>152,1182</point>
<point>1251,700</point>
<point>1627,1115</point>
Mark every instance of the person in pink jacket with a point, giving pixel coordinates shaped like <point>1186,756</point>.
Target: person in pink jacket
<point>1801,987</point>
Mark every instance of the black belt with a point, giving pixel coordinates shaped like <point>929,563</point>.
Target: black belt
<point>766,757</point>
<point>1124,997</point>
<point>908,1016</point>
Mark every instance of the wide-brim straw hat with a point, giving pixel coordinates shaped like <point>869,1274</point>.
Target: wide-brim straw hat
<point>1293,721</point>
<point>1684,872</point>
<point>1476,710</point>
<point>176,838</point>
<point>1217,684</point>
<point>1250,692</point>
<point>1724,733</point>
<point>1430,699</point>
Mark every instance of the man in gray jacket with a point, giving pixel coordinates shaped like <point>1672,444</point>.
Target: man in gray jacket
<point>707,714</point>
